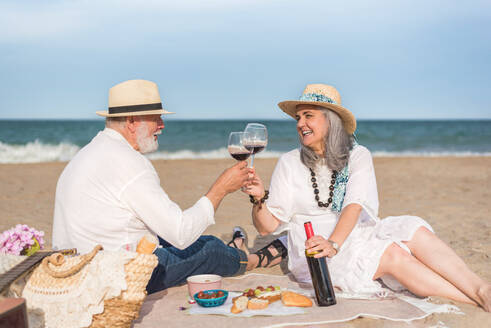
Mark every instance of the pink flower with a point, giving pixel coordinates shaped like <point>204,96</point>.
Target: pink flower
<point>19,239</point>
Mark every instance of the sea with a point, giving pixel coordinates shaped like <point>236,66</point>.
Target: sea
<point>35,141</point>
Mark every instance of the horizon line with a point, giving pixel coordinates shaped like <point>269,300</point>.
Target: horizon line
<point>248,119</point>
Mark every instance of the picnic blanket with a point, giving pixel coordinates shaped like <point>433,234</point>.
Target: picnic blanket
<point>169,308</point>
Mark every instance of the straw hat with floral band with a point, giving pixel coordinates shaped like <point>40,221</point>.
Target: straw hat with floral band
<point>322,95</point>
<point>134,98</point>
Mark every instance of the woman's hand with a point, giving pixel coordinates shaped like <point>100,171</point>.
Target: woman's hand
<point>255,187</point>
<point>321,245</point>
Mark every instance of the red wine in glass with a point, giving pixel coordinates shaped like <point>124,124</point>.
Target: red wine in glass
<point>236,147</point>
<point>255,138</point>
<point>240,156</point>
<point>254,148</point>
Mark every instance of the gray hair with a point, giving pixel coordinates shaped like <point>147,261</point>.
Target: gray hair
<point>115,122</point>
<point>338,144</point>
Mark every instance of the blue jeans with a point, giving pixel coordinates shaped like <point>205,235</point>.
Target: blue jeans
<point>206,255</point>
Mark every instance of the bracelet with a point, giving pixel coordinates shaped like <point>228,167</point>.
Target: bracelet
<point>255,202</point>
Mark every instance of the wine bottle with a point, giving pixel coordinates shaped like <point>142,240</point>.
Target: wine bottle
<point>324,291</point>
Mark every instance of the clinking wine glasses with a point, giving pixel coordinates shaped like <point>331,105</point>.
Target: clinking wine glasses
<point>255,139</point>
<point>236,146</point>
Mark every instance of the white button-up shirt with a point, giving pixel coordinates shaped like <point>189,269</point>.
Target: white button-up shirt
<point>110,194</point>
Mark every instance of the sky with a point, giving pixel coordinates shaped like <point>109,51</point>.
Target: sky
<point>236,59</point>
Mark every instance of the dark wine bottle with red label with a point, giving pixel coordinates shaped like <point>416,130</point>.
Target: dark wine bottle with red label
<point>324,291</point>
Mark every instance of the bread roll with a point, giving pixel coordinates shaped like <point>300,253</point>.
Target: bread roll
<point>257,304</point>
<point>293,299</point>
<point>239,304</point>
<point>147,244</point>
<point>271,296</point>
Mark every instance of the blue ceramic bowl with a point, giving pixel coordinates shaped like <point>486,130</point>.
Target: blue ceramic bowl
<point>210,302</point>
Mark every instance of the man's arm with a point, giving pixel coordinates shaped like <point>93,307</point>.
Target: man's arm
<point>149,202</point>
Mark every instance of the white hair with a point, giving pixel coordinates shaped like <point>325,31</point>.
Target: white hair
<point>338,144</point>
<point>116,122</point>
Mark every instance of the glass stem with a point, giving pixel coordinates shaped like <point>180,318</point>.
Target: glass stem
<point>252,161</point>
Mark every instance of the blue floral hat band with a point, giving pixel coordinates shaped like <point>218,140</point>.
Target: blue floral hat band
<point>316,97</point>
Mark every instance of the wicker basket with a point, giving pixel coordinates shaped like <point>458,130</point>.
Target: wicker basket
<point>57,276</point>
<point>121,311</point>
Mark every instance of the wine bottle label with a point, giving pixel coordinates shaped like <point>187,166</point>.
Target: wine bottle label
<point>311,253</point>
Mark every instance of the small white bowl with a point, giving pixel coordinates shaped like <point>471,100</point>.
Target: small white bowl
<point>202,282</point>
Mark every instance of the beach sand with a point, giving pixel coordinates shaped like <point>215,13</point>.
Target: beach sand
<point>452,193</point>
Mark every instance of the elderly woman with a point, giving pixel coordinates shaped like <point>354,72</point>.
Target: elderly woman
<point>330,181</point>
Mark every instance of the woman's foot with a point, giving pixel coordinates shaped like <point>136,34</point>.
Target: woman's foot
<point>268,256</point>
<point>484,294</point>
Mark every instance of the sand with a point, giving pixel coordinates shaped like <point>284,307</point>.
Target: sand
<point>452,193</point>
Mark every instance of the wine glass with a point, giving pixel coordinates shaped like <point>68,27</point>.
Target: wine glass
<point>236,146</point>
<point>255,139</point>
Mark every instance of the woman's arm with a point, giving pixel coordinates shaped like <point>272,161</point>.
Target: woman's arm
<point>263,220</point>
<point>346,223</point>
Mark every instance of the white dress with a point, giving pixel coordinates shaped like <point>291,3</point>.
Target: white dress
<point>292,201</point>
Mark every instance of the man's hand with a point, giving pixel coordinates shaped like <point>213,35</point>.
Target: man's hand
<point>233,178</point>
<point>229,181</point>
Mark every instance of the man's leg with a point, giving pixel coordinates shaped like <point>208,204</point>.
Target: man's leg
<point>206,255</point>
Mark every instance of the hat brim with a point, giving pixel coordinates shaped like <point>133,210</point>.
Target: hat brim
<point>105,113</point>
<point>349,121</point>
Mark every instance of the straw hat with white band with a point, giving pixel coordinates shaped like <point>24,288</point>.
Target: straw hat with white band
<point>322,95</point>
<point>134,98</point>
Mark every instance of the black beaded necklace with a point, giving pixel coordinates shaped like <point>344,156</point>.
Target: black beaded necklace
<point>316,191</point>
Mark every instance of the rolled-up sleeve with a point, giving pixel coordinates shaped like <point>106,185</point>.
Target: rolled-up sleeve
<point>280,197</point>
<point>362,185</point>
<point>151,204</point>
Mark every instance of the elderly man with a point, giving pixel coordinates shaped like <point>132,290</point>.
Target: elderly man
<point>110,194</point>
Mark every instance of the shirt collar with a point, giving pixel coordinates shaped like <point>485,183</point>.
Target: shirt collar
<point>116,135</point>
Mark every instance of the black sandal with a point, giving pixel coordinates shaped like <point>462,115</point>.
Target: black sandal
<point>265,254</point>
<point>238,233</point>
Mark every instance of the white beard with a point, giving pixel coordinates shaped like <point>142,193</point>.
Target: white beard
<point>146,144</point>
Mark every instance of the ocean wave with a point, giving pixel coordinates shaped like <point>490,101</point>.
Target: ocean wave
<point>37,152</point>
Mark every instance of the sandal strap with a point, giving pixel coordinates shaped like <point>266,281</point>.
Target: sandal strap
<point>280,248</point>
<point>237,234</point>
<point>265,254</point>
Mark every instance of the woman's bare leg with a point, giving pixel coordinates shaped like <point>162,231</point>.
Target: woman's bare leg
<point>416,276</point>
<point>484,294</point>
<point>439,257</point>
